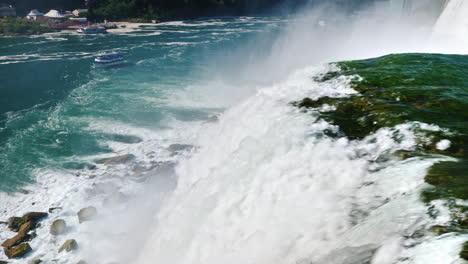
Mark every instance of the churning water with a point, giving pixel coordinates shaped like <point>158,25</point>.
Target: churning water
<point>226,168</point>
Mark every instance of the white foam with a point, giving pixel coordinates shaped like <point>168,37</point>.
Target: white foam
<point>443,249</point>
<point>443,144</point>
<point>275,184</point>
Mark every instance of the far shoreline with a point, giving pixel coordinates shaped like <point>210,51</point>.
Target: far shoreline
<point>119,25</point>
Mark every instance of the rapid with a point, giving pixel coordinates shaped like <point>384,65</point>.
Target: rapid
<point>227,165</point>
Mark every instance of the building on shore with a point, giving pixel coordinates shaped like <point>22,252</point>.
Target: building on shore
<point>54,14</point>
<point>34,14</point>
<point>78,12</point>
<point>7,11</point>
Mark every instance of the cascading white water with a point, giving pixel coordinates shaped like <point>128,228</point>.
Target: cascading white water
<point>267,186</point>
<point>452,27</point>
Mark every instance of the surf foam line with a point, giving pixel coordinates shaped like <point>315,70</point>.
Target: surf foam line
<point>268,186</point>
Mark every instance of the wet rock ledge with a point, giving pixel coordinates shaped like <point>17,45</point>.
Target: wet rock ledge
<point>18,245</point>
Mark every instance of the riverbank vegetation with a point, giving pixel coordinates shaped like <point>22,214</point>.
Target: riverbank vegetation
<point>12,26</point>
<point>176,9</point>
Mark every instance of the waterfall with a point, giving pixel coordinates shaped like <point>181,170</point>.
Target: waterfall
<point>268,187</point>
<point>453,23</point>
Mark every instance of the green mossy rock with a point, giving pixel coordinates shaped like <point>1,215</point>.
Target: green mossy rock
<point>14,223</point>
<point>34,216</point>
<point>26,227</point>
<point>35,261</point>
<point>449,178</point>
<point>69,245</point>
<point>82,262</point>
<point>402,88</point>
<point>18,251</point>
<point>464,251</point>
<point>58,227</point>
<point>440,230</point>
<point>16,240</point>
<point>87,214</point>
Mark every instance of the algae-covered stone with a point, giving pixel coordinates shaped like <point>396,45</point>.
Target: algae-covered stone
<point>58,227</point>
<point>439,230</point>
<point>26,227</point>
<point>69,245</point>
<point>35,261</point>
<point>16,240</point>
<point>87,214</point>
<point>14,223</point>
<point>82,262</point>
<point>464,251</point>
<point>34,216</point>
<point>18,251</point>
<point>448,179</point>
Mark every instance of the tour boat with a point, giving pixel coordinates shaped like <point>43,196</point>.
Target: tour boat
<point>92,30</point>
<point>109,60</point>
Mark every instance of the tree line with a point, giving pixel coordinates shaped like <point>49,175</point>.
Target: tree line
<point>167,9</point>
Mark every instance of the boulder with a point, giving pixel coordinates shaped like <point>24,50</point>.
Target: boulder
<point>439,230</point>
<point>17,251</point>
<point>34,216</point>
<point>116,160</point>
<point>14,223</point>
<point>22,235</point>
<point>58,227</point>
<point>35,261</point>
<point>26,227</point>
<point>16,240</point>
<point>69,245</point>
<point>464,251</point>
<point>87,214</point>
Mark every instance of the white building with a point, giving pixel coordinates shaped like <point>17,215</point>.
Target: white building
<point>54,14</point>
<point>34,14</point>
<point>77,12</point>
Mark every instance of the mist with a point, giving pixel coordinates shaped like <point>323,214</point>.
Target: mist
<point>190,200</point>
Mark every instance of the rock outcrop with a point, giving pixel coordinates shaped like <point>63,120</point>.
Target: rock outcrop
<point>18,251</point>
<point>58,227</point>
<point>69,245</point>
<point>16,247</point>
<point>87,214</point>
<point>16,240</point>
<point>14,223</point>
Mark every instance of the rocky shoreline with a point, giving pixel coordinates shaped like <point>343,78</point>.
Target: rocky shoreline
<point>18,246</point>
